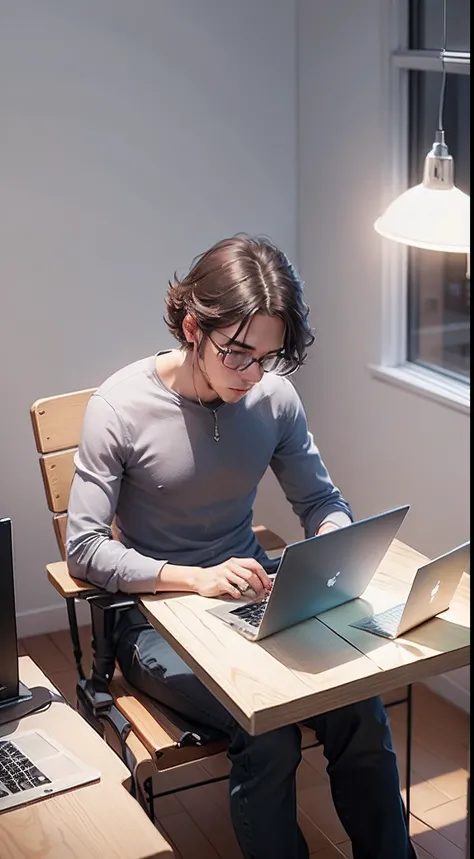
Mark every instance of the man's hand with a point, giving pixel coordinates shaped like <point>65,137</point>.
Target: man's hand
<point>234,577</point>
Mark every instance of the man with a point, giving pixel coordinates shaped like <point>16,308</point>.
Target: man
<point>174,447</point>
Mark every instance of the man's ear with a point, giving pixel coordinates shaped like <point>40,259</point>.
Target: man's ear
<point>190,328</point>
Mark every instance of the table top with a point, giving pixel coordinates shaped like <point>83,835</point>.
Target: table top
<point>96,821</point>
<point>322,663</point>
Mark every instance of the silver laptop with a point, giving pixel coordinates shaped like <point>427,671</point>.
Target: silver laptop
<point>33,766</point>
<point>431,593</point>
<point>315,575</point>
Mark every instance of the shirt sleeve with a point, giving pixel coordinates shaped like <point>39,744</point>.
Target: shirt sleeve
<point>92,553</point>
<point>301,472</point>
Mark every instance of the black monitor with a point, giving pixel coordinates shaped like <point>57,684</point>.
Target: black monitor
<point>11,690</point>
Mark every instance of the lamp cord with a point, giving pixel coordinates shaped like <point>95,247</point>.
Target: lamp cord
<point>443,52</point>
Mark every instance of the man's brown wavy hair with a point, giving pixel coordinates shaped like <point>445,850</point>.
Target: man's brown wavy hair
<point>234,280</point>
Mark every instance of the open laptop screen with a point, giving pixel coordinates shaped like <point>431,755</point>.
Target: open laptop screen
<point>8,633</point>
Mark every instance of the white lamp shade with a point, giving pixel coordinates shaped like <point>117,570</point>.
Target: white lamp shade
<point>438,220</point>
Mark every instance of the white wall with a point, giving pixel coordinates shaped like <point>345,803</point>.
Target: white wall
<point>134,134</point>
<point>384,446</point>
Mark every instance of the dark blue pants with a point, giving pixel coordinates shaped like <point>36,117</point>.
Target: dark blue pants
<point>357,745</point>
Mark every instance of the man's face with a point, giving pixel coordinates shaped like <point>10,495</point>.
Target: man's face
<point>263,336</point>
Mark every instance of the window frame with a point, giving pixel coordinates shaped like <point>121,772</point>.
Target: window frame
<point>394,366</point>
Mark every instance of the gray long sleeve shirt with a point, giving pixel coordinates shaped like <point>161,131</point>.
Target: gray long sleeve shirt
<point>149,457</point>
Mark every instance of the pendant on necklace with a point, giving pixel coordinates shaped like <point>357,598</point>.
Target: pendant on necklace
<point>216,428</point>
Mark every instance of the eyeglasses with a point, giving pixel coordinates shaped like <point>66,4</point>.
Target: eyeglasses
<point>273,363</point>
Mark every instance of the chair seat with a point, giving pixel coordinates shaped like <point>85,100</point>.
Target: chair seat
<point>155,730</point>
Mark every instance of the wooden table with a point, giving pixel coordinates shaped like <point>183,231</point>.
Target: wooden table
<point>320,664</point>
<point>97,821</point>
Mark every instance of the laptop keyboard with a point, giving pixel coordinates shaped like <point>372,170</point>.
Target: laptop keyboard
<point>17,772</point>
<point>252,613</point>
<point>384,623</point>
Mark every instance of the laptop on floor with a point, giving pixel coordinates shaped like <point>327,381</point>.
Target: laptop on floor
<point>431,593</point>
<point>32,764</point>
<point>315,575</point>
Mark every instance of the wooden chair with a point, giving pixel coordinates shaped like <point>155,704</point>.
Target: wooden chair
<point>150,737</point>
<point>146,732</point>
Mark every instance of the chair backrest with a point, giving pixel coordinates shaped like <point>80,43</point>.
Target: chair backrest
<point>57,423</point>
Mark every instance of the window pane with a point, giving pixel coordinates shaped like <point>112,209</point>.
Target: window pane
<point>427,25</point>
<point>439,333</point>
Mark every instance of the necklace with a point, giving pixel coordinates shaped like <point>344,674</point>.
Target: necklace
<point>217,436</point>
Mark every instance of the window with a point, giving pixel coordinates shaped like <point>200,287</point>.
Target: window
<point>439,332</point>
<point>437,313</point>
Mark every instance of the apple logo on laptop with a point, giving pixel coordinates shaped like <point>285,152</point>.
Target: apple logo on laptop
<point>331,582</point>
<point>434,591</point>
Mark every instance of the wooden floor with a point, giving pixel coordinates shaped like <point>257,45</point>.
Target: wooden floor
<point>198,822</point>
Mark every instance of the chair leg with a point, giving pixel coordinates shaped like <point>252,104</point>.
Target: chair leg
<point>122,728</point>
<point>73,628</point>
<point>83,707</point>
<point>103,647</point>
<point>408,752</point>
<point>101,710</point>
<point>149,798</point>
